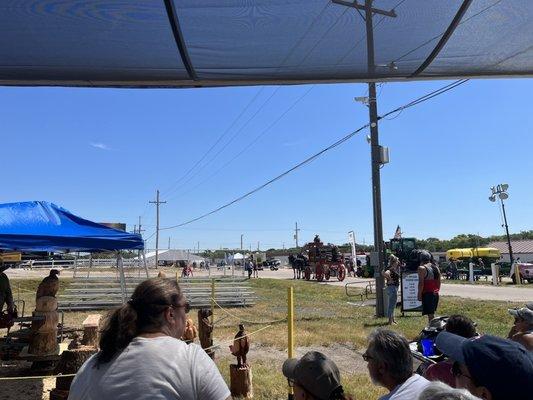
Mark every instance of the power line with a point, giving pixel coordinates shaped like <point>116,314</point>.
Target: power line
<point>228,129</point>
<point>251,143</point>
<point>229,141</point>
<point>417,101</point>
<point>289,54</point>
<point>286,111</point>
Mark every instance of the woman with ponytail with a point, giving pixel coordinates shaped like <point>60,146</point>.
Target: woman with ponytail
<point>141,356</point>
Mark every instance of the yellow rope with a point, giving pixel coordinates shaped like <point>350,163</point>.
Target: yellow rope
<point>10,378</point>
<point>244,320</point>
<point>240,337</point>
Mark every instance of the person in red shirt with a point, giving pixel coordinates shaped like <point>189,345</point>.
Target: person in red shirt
<point>429,277</point>
<point>442,371</point>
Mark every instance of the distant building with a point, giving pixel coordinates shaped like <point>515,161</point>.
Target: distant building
<point>521,248</point>
<point>169,257</point>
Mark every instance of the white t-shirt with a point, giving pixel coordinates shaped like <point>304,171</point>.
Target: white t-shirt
<point>409,390</point>
<point>156,368</point>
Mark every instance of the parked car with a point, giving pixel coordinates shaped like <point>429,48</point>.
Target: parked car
<point>269,264</point>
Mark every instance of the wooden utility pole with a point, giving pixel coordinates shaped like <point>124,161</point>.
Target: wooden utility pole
<point>140,230</point>
<point>157,203</point>
<point>376,149</point>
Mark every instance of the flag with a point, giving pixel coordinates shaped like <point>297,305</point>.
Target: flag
<point>398,233</point>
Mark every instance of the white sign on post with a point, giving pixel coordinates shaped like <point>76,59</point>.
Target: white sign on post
<point>351,238</point>
<point>410,292</point>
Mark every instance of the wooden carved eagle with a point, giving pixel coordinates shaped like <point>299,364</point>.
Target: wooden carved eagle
<point>241,346</point>
<point>49,285</point>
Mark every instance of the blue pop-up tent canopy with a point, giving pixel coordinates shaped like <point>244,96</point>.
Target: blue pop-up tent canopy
<point>44,226</point>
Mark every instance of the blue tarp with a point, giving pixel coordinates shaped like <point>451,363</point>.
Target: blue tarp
<point>44,226</point>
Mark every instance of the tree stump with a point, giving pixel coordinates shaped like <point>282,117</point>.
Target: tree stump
<point>241,382</point>
<point>90,330</point>
<point>70,363</point>
<point>43,340</point>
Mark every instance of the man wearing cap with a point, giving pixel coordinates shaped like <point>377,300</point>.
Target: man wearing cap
<point>489,367</point>
<point>314,377</point>
<point>522,330</point>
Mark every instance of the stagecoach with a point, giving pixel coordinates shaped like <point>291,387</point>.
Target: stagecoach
<point>324,261</point>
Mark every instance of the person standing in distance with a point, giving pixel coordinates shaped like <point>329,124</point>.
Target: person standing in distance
<point>429,279</point>
<point>392,279</point>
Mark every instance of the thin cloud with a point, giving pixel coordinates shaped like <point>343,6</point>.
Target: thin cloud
<point>101,146</point>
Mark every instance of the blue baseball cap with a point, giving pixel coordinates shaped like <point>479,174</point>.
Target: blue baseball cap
<point>504,367</point>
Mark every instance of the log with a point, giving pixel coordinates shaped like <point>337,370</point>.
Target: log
<point>90,330</point>
<point>43,343</point>
<point>46,303</point>
<point>51,319</point>
<point>241,382</point>
<point>70,363</point>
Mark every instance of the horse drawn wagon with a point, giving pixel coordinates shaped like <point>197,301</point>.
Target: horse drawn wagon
<point>324,261</point>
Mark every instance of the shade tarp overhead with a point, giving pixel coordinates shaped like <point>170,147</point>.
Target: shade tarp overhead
<point>43,226</point>
<point>184,43</point>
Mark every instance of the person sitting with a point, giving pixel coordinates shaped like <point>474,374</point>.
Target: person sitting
<point>442,371</point>
<point>522,330</point>
<point>390,364</point>
<point>141,356</point>
<point>441,391</point>
<point>489,367</point>
<point>314,377</point>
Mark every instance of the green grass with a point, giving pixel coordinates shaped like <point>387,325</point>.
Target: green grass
<point>322,318</point>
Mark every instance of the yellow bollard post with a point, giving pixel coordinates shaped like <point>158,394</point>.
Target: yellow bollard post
<point>212,301</point>
<point>290,330</point>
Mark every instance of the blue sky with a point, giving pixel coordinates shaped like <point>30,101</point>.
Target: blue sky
<point>102,153</point>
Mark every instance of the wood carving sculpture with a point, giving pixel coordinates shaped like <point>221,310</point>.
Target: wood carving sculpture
<point>190,332</point>
<point>240,347</point>
<point>205,331</point>
<point>49,285</point>
<point>43,339</point>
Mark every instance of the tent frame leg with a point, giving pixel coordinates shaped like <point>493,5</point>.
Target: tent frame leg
<point>120,268</point>
<point>75,264</point>
<point>90,265</point>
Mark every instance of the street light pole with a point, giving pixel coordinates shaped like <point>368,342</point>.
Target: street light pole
<point>501,192</point>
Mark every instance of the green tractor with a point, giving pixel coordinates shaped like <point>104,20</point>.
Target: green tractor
<point>401,248</point>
